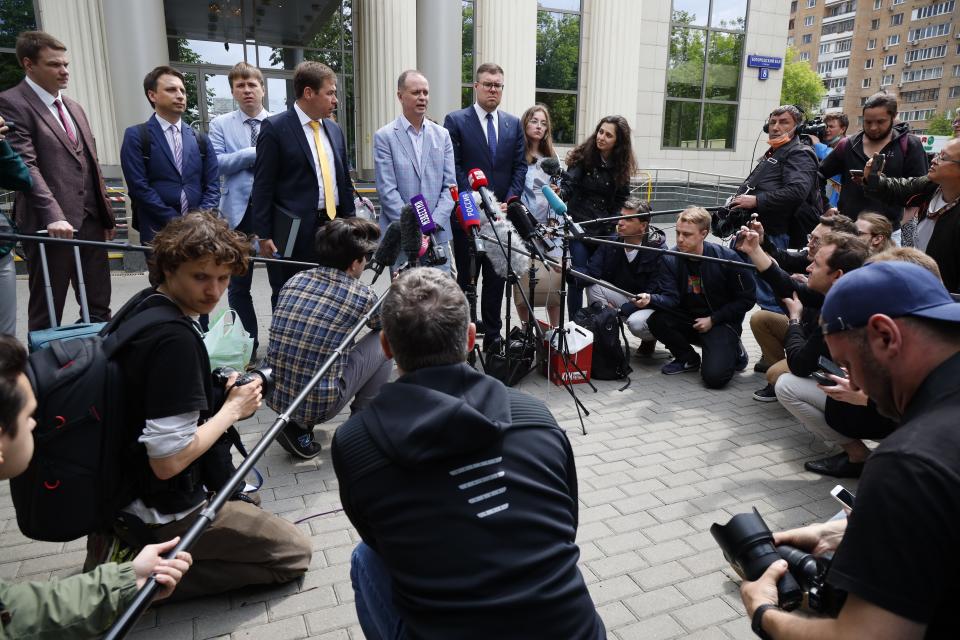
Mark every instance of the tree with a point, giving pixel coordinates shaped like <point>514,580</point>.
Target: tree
<point>940,125</point>
<point>15,16</point>
<point>801,84</point>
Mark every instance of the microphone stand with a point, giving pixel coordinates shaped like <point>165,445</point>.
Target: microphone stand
<point>471,293</point>
<point>670,252</point>
<point>122,626</point>
<point>648,214</point>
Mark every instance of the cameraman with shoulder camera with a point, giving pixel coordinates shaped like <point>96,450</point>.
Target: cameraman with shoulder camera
<point>782,189</point>
<point>175,423</point>
<point>894,328</point>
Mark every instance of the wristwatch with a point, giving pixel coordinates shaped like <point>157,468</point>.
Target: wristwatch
<point>793,321</point>
<point>757,624</point>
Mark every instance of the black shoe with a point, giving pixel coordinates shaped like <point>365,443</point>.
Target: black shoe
<point>742,357</point>
<point>492,344</point>
<point>647,348</point>
<point>298,442</point>
<point>767,394</point>
<point>761,367</point>
<point>838,466</point>
<point>481,328</point>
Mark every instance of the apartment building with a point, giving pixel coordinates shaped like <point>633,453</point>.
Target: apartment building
<point>908,47</point>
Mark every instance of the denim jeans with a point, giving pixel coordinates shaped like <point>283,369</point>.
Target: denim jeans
<point>378,618</point>
<point>765,297</point>
<point>580,253</point>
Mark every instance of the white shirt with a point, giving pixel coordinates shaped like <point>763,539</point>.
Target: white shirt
<point>416,137</point>
<point>166,125</point>
<point>925,228</point>
<point>482,114</point>
<point>327,148</point>
<point>48,99</point>
<point>631,253</point>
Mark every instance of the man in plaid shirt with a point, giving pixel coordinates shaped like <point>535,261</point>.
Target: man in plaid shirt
<point>316,309</point>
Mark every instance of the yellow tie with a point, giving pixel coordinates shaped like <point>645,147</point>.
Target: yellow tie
<point>326,174</point>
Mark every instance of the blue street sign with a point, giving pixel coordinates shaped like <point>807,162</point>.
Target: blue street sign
<point>764,73</point>
<point>769,62</point>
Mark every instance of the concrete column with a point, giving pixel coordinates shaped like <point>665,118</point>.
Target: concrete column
<point>136,42</point>
<point>79,24</point>
<point>385,46</point>
<point>506,33</point>
<point>609,79</point>
<point>439,52</point>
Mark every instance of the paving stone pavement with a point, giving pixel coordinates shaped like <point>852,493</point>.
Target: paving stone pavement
<point>659,463</point>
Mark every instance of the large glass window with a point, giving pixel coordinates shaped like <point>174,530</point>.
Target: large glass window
<point>558,64</point>
<point>206,39</point>
<point>703,73</point>
<point>15,16</point>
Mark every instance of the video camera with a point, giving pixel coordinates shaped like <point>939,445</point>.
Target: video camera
<point>816,127</point>
<point>747,544</point>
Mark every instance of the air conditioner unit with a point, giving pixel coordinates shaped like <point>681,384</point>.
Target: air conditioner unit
<point>914,43</point>
<point>899,85</point>
<point>886,48</point>
<point>907,64</point>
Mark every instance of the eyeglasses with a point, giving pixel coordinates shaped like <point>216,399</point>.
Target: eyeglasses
<point>492,86</point>
<point>812,239</point>
<point>942,158</point>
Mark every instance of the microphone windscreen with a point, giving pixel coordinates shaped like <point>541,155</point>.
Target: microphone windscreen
<point>498,259</point>
<point>422,211</point>
<point>550,166</point>
<point>410,235</point>
<point>389,249</point>
<point>558,205</point>
<point>477,179</point>
<point>517,215</point>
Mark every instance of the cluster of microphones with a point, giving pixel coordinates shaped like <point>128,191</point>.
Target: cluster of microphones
<point>414,235</point>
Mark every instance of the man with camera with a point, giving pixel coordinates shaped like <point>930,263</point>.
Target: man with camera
<point>315,311</point>
<point>701,302</point>
<point>825,140</point>
<point>896,330</point>
<point>177,429</point>
<point>632,270</point>
<point>463,490</point>
<point>782,189</point>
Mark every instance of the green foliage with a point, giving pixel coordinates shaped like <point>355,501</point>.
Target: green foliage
<point>801,84</point>
<point>940,125</point>
<point>466,63</point>
<point>558,61</point>
<point>15,16</point>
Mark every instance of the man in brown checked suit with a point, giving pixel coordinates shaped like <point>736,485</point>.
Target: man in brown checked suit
<point>52,135</point>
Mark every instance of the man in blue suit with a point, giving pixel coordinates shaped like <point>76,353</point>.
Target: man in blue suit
<point>173,174</point>
<point>234,139</point>
<point>295,189</point>
<point>412,156</point>
<point>491,140</point>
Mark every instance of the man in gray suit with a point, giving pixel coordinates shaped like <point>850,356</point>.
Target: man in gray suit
<point>234,139</point>
<point>414,156</point>
<point>52,135</point>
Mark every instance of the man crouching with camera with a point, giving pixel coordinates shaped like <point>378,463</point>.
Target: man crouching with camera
<point>896,330</point>
<point>175,424</point>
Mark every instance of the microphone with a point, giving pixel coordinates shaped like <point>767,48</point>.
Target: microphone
<point>469,218</point>
<point>550,166</point>
<point>434,250</point>
<point>499,228</point>
<point>488,201</point>
<point>410,235</point>
<point>540,232</point>
<point>517,215</point>
<point>560,208</point>
<point>387,252</point>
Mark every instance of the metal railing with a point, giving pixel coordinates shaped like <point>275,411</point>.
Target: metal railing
<point>675,188</point>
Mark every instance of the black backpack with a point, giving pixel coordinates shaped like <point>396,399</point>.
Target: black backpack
<point>611,356</point>
<point>145,154</point>
<point>73,485</point>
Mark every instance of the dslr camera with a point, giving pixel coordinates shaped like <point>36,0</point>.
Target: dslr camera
<point>747,544</point>
<point>221,375</point>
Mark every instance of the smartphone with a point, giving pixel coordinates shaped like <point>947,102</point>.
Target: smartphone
<point>828,365</point>
<point>856,173</point>
<point>878,161</point>
<point>842,496</point>
<point>823,379</point>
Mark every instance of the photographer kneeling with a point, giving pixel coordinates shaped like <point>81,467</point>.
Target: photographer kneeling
<point>174,423</point>
<point>896,330</point>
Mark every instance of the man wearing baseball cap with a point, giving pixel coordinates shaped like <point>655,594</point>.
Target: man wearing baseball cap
<point>896,330</point>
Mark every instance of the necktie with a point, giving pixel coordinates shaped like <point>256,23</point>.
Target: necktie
<point>178,159</point>
<point>327,175</point>
<point>66,123</point>
<point>491,136</point>
<point>254,130</point>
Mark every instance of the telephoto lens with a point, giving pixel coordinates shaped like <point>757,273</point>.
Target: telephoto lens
<point>747,544</point>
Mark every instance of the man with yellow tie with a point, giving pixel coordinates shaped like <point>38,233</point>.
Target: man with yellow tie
<point>301,176</point>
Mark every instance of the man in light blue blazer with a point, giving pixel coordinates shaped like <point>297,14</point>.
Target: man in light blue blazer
<point>412,156</point>
<point>234,139</point>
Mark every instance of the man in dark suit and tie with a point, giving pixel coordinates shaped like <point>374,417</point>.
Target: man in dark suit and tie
<point>174,174</point>
<point>295,189</point>
<point>52,135</point>
<point>491,140</point>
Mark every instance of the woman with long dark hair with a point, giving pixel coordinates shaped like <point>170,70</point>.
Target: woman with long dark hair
<point>595,185</point>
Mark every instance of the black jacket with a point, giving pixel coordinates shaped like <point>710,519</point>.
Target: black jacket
<point>468,492</point>
<point>730,291</point>
<point>848,154</point>
<point>610,263</point>
<point>804,343</point>
<point>785,182</point>
<point>592,194</point>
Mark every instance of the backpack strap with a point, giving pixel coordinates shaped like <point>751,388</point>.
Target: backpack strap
<point>144,143</point>
<point>144,320</point>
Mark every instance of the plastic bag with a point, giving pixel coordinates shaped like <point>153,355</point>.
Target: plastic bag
<point>228,343</point>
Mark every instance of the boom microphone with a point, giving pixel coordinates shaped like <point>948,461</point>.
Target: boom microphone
<point>500,228</point>
<point>410,235</point>
<point>560,208</point>
<point>479,183</point>
<point>468,217</point>
<point>387,252</point>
